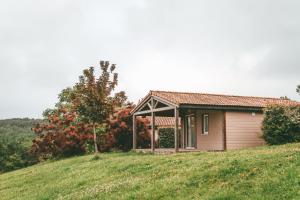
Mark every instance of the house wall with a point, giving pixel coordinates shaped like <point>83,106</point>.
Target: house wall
<point>214,140</point>
<point>243,129</point>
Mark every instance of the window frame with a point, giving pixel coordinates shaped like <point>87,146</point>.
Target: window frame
<point>204,117</point>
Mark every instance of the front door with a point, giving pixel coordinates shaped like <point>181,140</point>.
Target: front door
<point>190,132</point>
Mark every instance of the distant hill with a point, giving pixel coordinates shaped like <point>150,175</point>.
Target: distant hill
<point>17,129</point>
<point>260,173</point>
<point>15,141</point>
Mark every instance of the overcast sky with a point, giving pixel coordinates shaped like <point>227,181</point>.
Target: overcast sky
<point>226,46</point>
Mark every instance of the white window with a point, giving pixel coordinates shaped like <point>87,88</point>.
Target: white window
<point>205,124</point>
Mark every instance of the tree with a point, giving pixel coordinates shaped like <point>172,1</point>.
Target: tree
<point>92,97</point>
<point>120,129</point>
<point>281,124</point>
<point>62,134</point>
<point>15,142</point>
<point>284,98</point>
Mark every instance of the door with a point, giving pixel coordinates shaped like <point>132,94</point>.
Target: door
<point>190,131</point>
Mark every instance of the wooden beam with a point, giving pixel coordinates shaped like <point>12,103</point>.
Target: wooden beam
<point>152,129</point>
<point>176,129</point>
<point>154,110</point>
<point>195,128</point>
<point>134,138</point>
<point>182,133</point>
<point>141,104</point>
<point>224,132</point>
<point>155,104</point>
<point>164,101</point>
<point>147,98</point>
<point>150,106</point>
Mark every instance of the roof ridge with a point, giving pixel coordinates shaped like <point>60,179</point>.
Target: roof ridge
<point>213,94</point>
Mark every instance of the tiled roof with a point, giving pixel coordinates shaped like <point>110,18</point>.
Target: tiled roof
<point>164,121</point>
<point>180,98</point>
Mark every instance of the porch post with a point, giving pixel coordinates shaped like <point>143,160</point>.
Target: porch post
<point>153,132</point>
<point>182,133</point>
<point>134,132</point>
<point>152,126</point>
<point>176,130</point>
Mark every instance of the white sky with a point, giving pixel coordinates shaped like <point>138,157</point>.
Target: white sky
<point>248,47</point>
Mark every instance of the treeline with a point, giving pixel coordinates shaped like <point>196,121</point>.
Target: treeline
<point>15,142</point>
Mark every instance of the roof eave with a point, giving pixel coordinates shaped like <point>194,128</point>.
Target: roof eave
<point>221,107</point>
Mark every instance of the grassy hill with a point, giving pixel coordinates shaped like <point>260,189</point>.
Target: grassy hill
<point>260,173</point>
<point>18,129</point>
<point>15,140</point>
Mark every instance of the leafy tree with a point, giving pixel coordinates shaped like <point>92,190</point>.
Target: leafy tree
<point>120,130</point>
<point>92,97</point>
<point>284,98</point>
<point>15,141</point>
<point>13,155</point>
<point>62,134</point>
<point>82,111</point>
<point>281,124</point>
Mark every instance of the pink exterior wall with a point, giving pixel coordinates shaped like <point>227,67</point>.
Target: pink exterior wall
<point>214,140</point>
<point>243,129</point>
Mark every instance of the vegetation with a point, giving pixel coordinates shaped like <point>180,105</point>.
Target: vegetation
<point>120,130</point>
<point>261,173</point>
<point>298,89</point>
<point>15,141</point>
<point>92,97</point>
<point>88,113</point>
<point>281,124</point>
<point>166,137</point>
<point>61,135</point>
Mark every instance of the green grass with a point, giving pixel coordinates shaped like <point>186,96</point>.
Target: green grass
<point>260,173</point>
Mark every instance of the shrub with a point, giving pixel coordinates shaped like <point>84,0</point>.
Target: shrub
<point>281,124</point>
<point>120,130</point>
<point>166,137</point>
<point>61,135</point>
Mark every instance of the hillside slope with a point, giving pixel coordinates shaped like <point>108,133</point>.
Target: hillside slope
<point>18,129</point>
<point>15,141</point>
<point>261,173</point>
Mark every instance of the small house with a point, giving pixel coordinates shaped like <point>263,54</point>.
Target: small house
<point>208,122</point>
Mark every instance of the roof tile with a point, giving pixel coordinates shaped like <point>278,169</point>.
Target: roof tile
<point>180,98</point>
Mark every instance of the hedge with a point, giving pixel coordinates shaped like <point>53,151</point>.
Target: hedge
<point>166,137</point>
<point>281,124</point>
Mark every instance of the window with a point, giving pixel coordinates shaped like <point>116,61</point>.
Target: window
<point>205,124</point>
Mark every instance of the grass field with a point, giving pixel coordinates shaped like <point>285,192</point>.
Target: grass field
<point>261,173</point>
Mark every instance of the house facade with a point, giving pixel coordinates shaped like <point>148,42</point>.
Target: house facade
<point>208,122</point>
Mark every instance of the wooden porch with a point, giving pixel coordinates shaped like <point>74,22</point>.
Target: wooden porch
<point>155,106</point>
<point>166,150</point>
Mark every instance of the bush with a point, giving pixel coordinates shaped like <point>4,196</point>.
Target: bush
<point>120,130</point>
<point>166,138</point>
<point>281,124</point>
<point>61,135</point>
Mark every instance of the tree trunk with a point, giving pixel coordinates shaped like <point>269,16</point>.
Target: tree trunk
<point>95,138</point>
